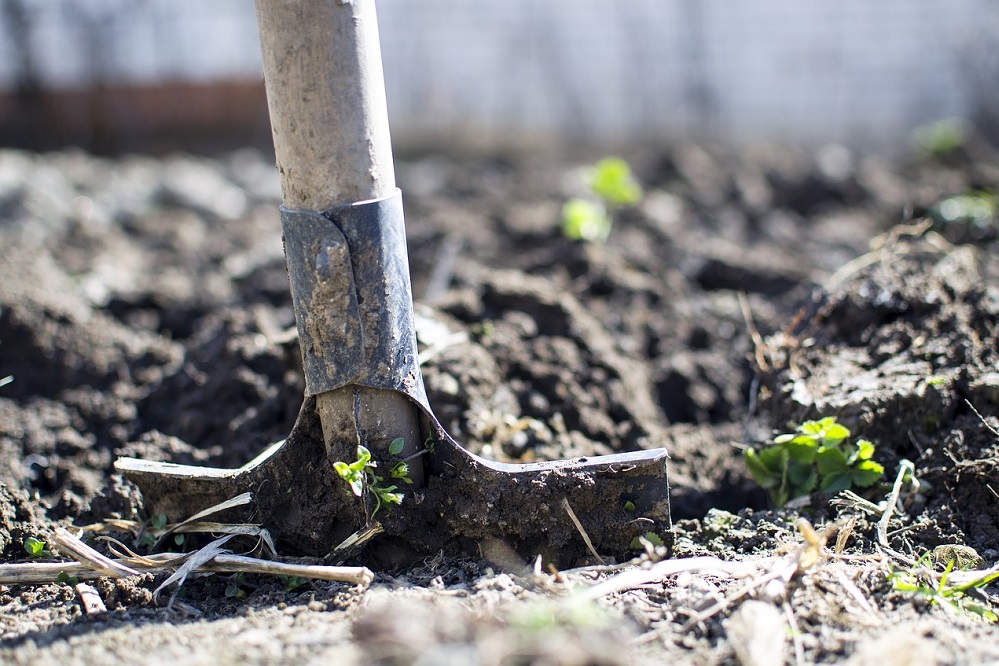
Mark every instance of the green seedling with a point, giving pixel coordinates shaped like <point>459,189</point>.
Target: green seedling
<point>233,587</point>
<point>975,207</point>
<point>66,579</point>
<point>940,138</point>
<point>612,186</point>
<point>292,583</point>
<point>647,541</point>
<point>234,591</point>
<point>919,582</point>
<point>401,471</point>
<point>360,475</point>
<point>585,220</point>
<point>396,446</point>
<point>611,180</point>
<point>544,616</point>
<point>818,455</point>
<point>36,547</point>
<point>156,525</point>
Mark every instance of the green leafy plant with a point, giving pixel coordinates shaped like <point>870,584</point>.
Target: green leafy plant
<point>920,582</point>
<point>818,455</point>
<point>36,547</point>
<point>612,186</point>
<point>361,476</point>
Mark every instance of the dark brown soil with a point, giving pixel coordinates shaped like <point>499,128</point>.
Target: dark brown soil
<point>144,312</point>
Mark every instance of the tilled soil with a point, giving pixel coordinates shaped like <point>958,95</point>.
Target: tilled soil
<point>144,312</point>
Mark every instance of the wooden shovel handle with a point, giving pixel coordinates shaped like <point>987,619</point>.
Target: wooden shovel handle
<point>326,95</point>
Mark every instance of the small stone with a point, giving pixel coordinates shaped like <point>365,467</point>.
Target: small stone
<point>963,557</point>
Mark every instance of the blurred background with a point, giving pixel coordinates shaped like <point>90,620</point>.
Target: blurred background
<point>160,75</point>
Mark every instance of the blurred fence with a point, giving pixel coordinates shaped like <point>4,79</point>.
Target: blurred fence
<point>127,74</point>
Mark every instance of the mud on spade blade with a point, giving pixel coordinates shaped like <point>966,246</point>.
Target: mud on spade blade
<point>352,295</point>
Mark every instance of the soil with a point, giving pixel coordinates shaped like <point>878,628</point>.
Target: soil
<point>145,312</point>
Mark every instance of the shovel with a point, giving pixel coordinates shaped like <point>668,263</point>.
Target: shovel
<point>318,492</point>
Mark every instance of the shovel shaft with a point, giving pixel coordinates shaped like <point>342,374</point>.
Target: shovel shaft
<point>326,96</point>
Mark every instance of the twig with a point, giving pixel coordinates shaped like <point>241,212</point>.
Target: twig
<point>81,552</point>
<point>358,538</point>
<point>850,499</point>
<point>799,647</point>
<point>582,532</point>
<point>759,346</point>
<point>634,578</point>
<point>39,573</point>
<point>851,267</point>
<point>844,535</point>
<point>982,419</point>
<point>192,562</point>
<point>32,573</point>
<point>242,563</point>
<point>852,590</point>
<point>903,467</point>
<point>239,500</point>
<point>90,599</point>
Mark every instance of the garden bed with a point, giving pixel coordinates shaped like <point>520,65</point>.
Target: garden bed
<point>144,311</point>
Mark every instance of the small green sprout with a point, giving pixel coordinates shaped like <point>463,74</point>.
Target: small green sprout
<point>818,455</point>
<point>156,525</point>
<point>66,579</point>
<point>401,471</point>
<point>611,180</point>
<point>611,183</point>
<point>354,473</point>
<point>940,138</point>
<point>396,447</point>
<point>35,547</point>
<point>585,220</point>
<point>234,587</point>
<point>629,506</point>
<point>651,538</point>
<point>919,582</point>
<point>361,475</point>
<point>977,207</point>
<point>292,583</point>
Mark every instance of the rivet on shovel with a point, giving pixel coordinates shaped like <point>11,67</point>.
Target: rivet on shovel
<point>346,250</point>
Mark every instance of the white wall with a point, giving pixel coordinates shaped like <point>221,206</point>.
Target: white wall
<point>859,71</point>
